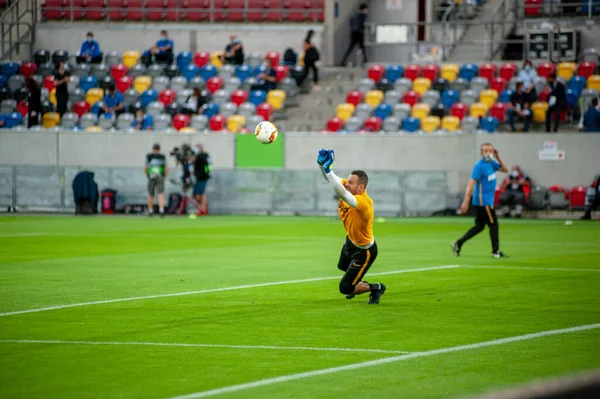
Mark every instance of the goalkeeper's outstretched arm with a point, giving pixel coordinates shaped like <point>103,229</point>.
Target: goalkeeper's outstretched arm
<point>339,188</point>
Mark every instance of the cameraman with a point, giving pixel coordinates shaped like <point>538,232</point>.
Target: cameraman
<point>156,169</point>
<point>592,199</point>
<point>202,173</point>
<point>514,193</point>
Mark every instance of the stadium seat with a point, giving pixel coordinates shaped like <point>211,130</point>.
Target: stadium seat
<point>190,71</point>
<point>116,9</point>
<point>235,123</point>
<point>258,13</point>
<point>238,97</point>
<point>184,58</point>
<point>363,111</point>
<point>81,107</point>
<point>355,97</point>
<point>586,69</point>
<point>15,82</point>
<point>94,95</point>
<point>257,97</point>
<point>468,72</point>
<point>335,124</point>
<point>566,70</point>
<point>585,7</point>
<point>450,72</point>
<point>382,111</point>
<point>208,71</point>
<point>52,96</point>
<point>217,123</point>
<point>412,71</point>
<point>10,68</point>
<point>181,121</point>
<point>175,10</point>
<point>391,124</point>
<point>441,85</point>
<point>130,58</point>
<point>69,120</point>
<point>421,85</point>
<point>411,98</point>
<point>431,71</point>
<point>489,124</point>
<point>27,69</point>
<point>265,110</point>
<point>373,124</point>
<point>282,72</point>
<point>391,97</point>
<point>345,111</point>
<point>430,124</point>
<point>142,83</point>
<point>450,123</point>
<point>431,97</point>
<point>12,120</point>
<point>459,110</point>
<point>544,94</point>
<point>118,71</point>
<point>420,111</point>
<point>134,10</point>
<point>220,97</point>
<point>213,84</point>
<point>459,85</point>
<point>469,97</point>
<point>167,97</point>
<point>196,10</point>
<point>487,71</point>
<point>533,8</point>
<point>498,84</point>
<point>479,84</point>
<point>539,111</point>
<point>507,71</point>
<point>577,197</point>
<point>394,72</point>
<point>274,57</point>
<point>498,111</point>
<point>243,72</point>
<point>505,96</point>
<point>488,97</point>
<point>53,9</point>
<point>201,58</point>
<point>449,98</point>
<point>479,110</point>
<point>545,69</point>
<point>376,72</point>
<point>401,111</point>
<point>124,83</point>
<point>23,108</point>
<point>7,106</point>
<point>374,98</point>
<point>411,124</point>
<point>593,82</point>
<point>572,98</point>
<point>558,197</point>
<point>78,7</point>
<point>276,98</point>
<point>576,84</point>
<point>50,119</point>
<point>95,10</point>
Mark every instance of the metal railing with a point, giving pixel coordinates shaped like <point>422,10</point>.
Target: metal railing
<point>584,9</point>
<point>17,29</point>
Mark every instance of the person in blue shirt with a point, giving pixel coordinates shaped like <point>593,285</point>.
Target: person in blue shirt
<point>113,103</point>
<point>1,121</point>
<point>529,77</point>
<point>142,122</point>
<point>483,184</point>
<point>90,51</point>
<point>163,50</point>
<point>591,118</point>
<point>267,80</point>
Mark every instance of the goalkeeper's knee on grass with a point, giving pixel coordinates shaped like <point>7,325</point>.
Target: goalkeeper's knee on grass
<point>346,289</point>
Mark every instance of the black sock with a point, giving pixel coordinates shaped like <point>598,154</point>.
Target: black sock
<point>375,286</point>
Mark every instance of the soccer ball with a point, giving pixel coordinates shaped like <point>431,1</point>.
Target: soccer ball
<point>266,132</point>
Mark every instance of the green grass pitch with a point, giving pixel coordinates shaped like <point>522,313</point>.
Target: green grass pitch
<point>204,318</point>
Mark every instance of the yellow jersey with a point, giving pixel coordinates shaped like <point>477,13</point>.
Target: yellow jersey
<point>358,222</point>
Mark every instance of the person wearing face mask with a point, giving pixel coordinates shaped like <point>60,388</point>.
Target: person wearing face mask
<point>528,76</point>
<point>142,122</point>
<point>234,52</point>
<point>514,191</point>
<point>357,33</point>
<point>163,50</point>
<point>90,51</point>
<point>557,101</point>
<point>482,188</point>
<point>202,174</point>
<point>591,118</point>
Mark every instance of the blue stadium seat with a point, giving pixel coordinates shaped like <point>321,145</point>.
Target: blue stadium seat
<point>88,82</point>
<point>505,96</point>
<point>210,109</point>
<point>208,71</point>
<point>243,72</point>
<point>148,96</point>
<point>394,72</point>
<point>257,97</point>
<point>411,124</point>
<point>10,68</point>
<point>449,98</point>
<point>184,59</point>
<point>577,84</point>
<point>383,111</point>
<point>259,69</point>
<point>96,107</point>
<point>468,71</point>
<point>12,120</point>
<point>572,97</point>
<point>190,71</point>
<point>585,7</point>
<point>3,81</point>
<point>489,124</point>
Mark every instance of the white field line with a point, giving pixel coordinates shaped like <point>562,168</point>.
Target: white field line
<point>387,360</point>
<point>557,269</point>
<point>186,345</point>
<point>239,287</point>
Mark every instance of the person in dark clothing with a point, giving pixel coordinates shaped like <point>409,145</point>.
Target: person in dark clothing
<point>34,102</point>
<point>519,107</point>
<point>234,52</point>
<point>592,198</point>
<point>591,118</point>
<point>557,101</point>
<point>357,33</point>
<point>514,191</point>
<point>267,80</point>
<point>311,56</point>
<point>194,102</point>
<point>61,78</point>
<point>202,173</point>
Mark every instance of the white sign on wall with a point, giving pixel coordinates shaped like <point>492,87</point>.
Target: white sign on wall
<point>393,4</point>
<point>550,152</point>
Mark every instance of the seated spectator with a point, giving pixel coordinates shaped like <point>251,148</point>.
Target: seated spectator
<point>113,102</point>
<point>519,107</point>
<point>1,121</point>
<point>557,101</point>
<point>90,51</point>
<point>142,122</point>
<point>528,76</point>
<point>592,199</point>
<point>268,79</point>
<point>34,102</point>
<point>234,52</point>
<point>162,51</point>
<point>591,118</point>
<point>194,102</point>
<point>514,193</point>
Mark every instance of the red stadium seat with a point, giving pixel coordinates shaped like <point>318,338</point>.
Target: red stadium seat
<point>81,107</point>
<point>498,84</point>
<point>23,108</point>
<point>259,13</point>
<point>373,124</point>
<point>376,72</point>
<point>274,15</point>
<point>459,110</point>
<point>577,197</point>
<point>321,13</point>
<point>298,10</point>
<point>95,10</point>
<point>175,10</point>
<point>78,9</point>
<point>431,71</point>
<point>411,97</point>
<point>274,57</point>
<point>49,82</point>
<point>155,10</point>
<point>497,194</point>
<point>239,97</point>
<point>213,84</point>
<point>265,110</point>
<point>53,9</point>
<point>167,97</point>
<point>134,10</point>
<point>543,97</point>
<point>412,71</point>
<point>116,9</point>
<point>124,83</point>
<point>533,8</point>
<point>118,71</point>
<point>335,124</point>
<point>560,189</point>
<point>217,123</point>
<point>220,10</point>
<point>180,121</point>
<point>545,69</point>
<point>196,10</point>
<point>201,58</point>
<point>508,71</point>
<point>499,111</point>
<point>282,72</point>
<point>487,71</point>
<point>586,69</point>
<point>27,69</point>
<point>355,97</point>
<point>236,10</point>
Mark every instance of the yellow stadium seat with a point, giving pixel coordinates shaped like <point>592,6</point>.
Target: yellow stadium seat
<point>450,123</point>
<point>142,83</point>
<point>52,96</point>
<point>276,99</point>
<point>479,110</point>
<point>344,111</point>
<point>187,130</point>
<point>566,70</point>
<point>421,85</point>
<point>430,124</point>
<point>450,72</point>
<point>130,58</point>
<point>50,119</point>
<point>236,123</point>
<point>374,98</point>
<point>215,59</point>
<point>539,111</point>
<point>301,60</point>
<point>94,95</point>
<point>488,97</point>
<point>93,129</point>
<point>421,111</point>
<point>593,82</point>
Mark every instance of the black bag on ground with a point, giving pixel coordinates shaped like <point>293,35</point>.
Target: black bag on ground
<point>174,203</point>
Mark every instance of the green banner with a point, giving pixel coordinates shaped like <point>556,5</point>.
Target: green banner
<point>249,153</point>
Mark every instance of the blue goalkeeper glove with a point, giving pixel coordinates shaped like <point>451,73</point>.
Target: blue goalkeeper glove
<point>322,157</point>
<point>329,161</point>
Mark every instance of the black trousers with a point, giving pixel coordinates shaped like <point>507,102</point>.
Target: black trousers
<point>553,113</point>
<point>61,103</point>
<point>485,215</point>
<point>356,38</point>
<point>512,198</point>
<point>305,72</point>
<point>33,120</point>
<point>355,263</point>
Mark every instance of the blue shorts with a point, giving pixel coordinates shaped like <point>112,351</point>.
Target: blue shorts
<point>200,187</point>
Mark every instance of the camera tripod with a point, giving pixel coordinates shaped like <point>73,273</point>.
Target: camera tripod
<point>186,199</point>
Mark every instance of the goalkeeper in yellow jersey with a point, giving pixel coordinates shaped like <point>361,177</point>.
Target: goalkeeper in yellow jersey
<point>356,211</point>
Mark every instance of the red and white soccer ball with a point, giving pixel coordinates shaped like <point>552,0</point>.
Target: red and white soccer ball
<point>266,132</point>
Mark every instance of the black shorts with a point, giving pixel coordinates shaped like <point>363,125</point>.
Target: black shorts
<point>355,262</point>
<point>485,215</point>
